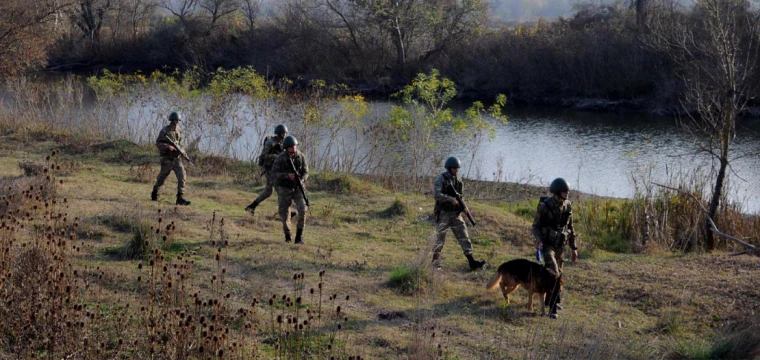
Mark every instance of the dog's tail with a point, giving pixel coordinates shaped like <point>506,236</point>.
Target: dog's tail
<point>494,282</point>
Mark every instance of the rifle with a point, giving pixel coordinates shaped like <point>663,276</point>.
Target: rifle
<point>180,149</point>
<point>300,183</point>
<point>462,205</point>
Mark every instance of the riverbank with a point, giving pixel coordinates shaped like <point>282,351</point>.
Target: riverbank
<point>364,237</point>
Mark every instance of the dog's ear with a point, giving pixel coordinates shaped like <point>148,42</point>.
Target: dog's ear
<point>551,272</point>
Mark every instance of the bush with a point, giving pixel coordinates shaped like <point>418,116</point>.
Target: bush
<point>342,184</point>
<point>397,209</point>
<point>408,279</point>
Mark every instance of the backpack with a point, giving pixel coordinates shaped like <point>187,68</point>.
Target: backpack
<point>540,200</point>
<point>262,155</point>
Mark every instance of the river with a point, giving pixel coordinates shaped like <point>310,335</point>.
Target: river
<point>599,153</point>
<point>602,153</point>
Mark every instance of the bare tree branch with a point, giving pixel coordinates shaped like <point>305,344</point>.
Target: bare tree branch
<point>713,227</point>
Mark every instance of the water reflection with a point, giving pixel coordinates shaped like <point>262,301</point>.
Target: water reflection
<point>599,153</point>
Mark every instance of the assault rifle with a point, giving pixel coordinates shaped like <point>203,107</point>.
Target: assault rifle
<point>300,183</point>
<point>181,150</point>
<point>462,205</point>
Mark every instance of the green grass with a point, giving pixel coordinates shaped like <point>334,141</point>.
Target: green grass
<point>369,241</point>
<point>408,279</point>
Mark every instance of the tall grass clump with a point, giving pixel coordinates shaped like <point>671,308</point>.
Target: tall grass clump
<point>676,219</point>
<point>603,223</point>
<point>661,217</point>
<point>45,309</point>
<point>398,208</point>
<point>740,341</point>
<point>227,113</point>
<point>307,324</point>
<point>409,279</point>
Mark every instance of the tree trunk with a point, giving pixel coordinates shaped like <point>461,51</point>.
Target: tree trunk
<point>398,38</point>
<point>640,12</point>
<point>725,141</point>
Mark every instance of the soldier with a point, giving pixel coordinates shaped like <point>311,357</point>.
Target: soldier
<point>552,227</point>
<point>170,158</point>
<point>289,163</point>
<point>448,213</point>
<point>272,148</point>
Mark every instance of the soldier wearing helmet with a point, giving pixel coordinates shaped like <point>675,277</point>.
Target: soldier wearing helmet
<point>448,213</point>
<point>552,228</point>
<point>272,148</point>
<point>171,159</point>
<point>289,163</point>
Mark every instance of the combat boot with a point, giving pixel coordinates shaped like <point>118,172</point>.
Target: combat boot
<point>181,200</point>
<point>154,194</point>
<point>288,238</point>
<point>252,207</point>
<point>475,264</point>
<point>299,236</point>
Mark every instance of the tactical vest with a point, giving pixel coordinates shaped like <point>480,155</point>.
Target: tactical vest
<point>449,184</point>
<point>176,135</point>
<point>289,169</point>
<point>266,160</point>
<point>554,222</point>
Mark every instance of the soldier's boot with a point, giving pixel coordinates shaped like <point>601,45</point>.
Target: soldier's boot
<point>181,200</point>
<point>558,298</point>
<point>299,236</point>
<point>437,261</point>
<point>553,306</point>
<point>552,302</point>
<point>154,194</point>
<point>252,207</point>
<point>288,238</point>
<point>475,264</point>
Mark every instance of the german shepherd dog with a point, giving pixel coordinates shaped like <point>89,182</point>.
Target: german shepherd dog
<point>534,277</point>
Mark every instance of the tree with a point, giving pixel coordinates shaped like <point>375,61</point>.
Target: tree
<point>428,25</point>
<point>87,16</point>
<point>641,12</point>
<point>250,10</point>
<point>27,27</point>
<point>138,11</point>
<point>714,48</point>
<point>218,9</point>
<point>182,9</point>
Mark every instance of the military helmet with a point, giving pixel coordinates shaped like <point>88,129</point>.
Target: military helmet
<point>559,185</point>
<point>452,162</point>
<point>280,129</point>
<point>289,141</point>
<point>175,116</point>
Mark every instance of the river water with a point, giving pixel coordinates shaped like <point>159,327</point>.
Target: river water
<point>602,153</point>
<point>599,153</point>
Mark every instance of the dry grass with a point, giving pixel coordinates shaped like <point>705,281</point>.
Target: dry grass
<point>215,280</point>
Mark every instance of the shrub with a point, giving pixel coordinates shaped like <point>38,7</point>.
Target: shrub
<point>408,279</point>
<point>398,208</point>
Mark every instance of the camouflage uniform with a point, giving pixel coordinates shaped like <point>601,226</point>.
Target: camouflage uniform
<point>272,148</point>
<point>287,191</point>
<point>447,215</point>
<point>170,160</point>
<point>553,226</point>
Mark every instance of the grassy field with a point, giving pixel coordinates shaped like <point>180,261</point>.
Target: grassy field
<point>370,248</point>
